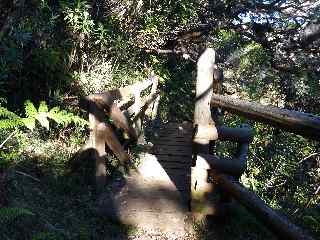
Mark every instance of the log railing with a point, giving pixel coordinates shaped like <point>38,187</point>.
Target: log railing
<point>209,170</point>
<point>304,124</point>
<point>126,108</point>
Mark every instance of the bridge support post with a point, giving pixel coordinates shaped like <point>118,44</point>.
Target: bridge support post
<point>97,143</point>
<point>204,132</point>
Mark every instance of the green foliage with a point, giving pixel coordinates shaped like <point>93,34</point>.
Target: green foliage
<point>54,49</point>
<point>77,16</point>
<point>8,215</point>
<point>253,57</point>
<point>48,236</point>
<point>8,119</point>
<point>42,116</point>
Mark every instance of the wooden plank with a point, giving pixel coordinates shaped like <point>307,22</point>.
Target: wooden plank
<point>173,143</point>
<point>170,149</point>
<point>174,159</point>
<point>175,125</point>
<point>304,124</point>
<point>185,139</point>
<point>174,152</point>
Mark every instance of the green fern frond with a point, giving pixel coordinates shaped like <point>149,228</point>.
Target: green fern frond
<point>5,113</point>
<point>11,123</point>
<point>30,123</point>
<point>65,118</point>
<point>42,116</point>
<point>79,121</point>
<point>8,215</point>
<point>43,107</point>
<point>30,109</point>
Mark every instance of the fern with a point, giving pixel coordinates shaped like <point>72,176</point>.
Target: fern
<point>63,118</point>
<point>5,113</point>
<point>42,115</point>
<point>7,215</point>
<point>9,119</point>
<point>30,109</point>
<point>11,123</point>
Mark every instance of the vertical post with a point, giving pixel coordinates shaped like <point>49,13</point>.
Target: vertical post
<point>138,123</point>
<point>217,89</point>
<point>204,132</point>
<point>97,142</point>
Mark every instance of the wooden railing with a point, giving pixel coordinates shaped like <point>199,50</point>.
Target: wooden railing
<point>125,107</point>
<point>209,171</point>
<point>304,124</point>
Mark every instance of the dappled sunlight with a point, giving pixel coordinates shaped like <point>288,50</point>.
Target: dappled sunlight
<point>156,194</point>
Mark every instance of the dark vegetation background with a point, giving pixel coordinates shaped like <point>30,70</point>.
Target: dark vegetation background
<point>53,52</point>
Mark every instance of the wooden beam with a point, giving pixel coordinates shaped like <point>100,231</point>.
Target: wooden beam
<point>282,228</point>
<point>114,144</point>
<point>233,166</point>
<point>304,124</point>
<point>240,134</point>
<point>145,104</point>
<point>121,121</point>
<point>202,111</point>
<point>123,95</point>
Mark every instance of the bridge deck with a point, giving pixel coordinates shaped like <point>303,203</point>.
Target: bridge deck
<point>156,195</point>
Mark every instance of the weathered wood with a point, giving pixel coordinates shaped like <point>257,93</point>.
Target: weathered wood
<point>272,220</point>
<point>114,144</point>
<point>97,143</point>
<point>106,99</point>
<point>121,121</point>
<point>145,104</point>
<point>204,131</point>
<point>304,124</point>
<point>172,150</point>
<point>240,135</point>
<point>202,112</point>
<point>100,147</point>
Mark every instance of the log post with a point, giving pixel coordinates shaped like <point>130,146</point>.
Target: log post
<point>97,142</point>
<point>204,132</point>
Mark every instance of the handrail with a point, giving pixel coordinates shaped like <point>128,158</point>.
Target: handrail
<point>304,124</point>
<point>277,223</point>
<point>207,166</point>
<point>112,103</point>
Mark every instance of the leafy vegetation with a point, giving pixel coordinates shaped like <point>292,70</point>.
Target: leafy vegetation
<point>54,52</point>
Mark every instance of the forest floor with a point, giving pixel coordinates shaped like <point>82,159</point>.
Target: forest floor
<point>66,208</point>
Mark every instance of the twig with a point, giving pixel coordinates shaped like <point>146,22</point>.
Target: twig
<point>307,204</point>
<point>308,157</point>
<point>10,136</point>
<point>27,175</point>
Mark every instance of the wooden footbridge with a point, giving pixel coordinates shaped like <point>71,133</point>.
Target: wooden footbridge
<point>179,175</point>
